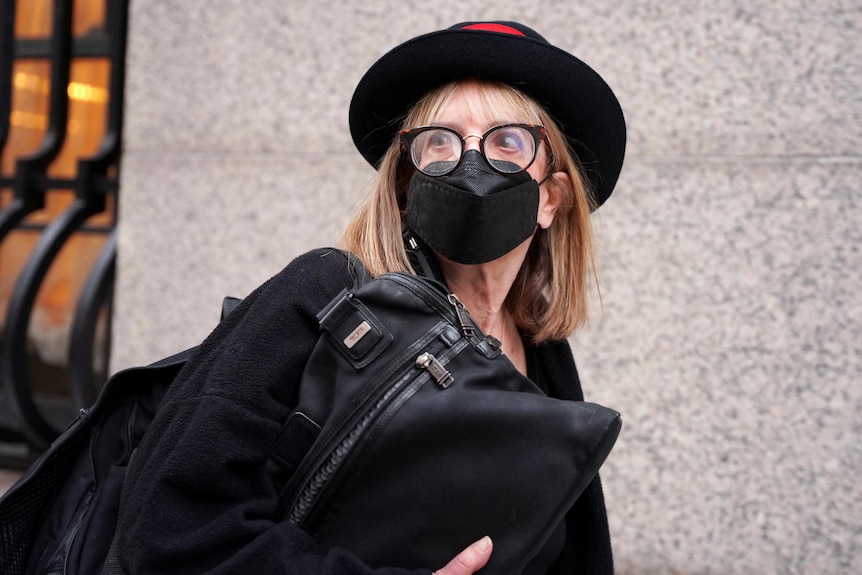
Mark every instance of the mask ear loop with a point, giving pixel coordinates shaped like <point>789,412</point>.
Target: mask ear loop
<point>546,178</point>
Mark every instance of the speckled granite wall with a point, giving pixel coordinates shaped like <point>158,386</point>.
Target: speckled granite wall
<point>731,329</point>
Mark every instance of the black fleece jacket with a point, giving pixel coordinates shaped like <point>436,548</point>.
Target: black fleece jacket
<point>201,493</point>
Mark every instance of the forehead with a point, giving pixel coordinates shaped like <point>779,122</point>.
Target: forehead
<point>474,102</point>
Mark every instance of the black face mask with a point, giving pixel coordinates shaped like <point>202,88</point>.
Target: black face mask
<point>475,214</point>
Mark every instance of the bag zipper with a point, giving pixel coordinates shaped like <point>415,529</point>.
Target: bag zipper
<point>435,368</point>
<point>430,366</point>
<point>445,303</point>
<point>371,389</point>
<point>422,356</point>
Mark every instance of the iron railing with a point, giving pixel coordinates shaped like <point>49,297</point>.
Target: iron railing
<point>28,422</point>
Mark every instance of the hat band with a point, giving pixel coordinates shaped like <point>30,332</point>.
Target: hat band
<point>491,27</point>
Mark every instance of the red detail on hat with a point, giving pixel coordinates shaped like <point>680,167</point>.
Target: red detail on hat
<point>494,28</point>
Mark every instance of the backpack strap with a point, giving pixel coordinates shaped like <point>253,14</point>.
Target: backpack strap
<point>421,257</point>
<point>229,304</point>
<point>358,271</point>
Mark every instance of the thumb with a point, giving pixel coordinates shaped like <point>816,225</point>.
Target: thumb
<point>470,559</point>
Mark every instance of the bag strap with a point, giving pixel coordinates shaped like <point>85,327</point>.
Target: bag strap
<point>360,273</point>
<point>421,257</point>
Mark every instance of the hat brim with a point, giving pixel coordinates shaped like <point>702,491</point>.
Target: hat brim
<point>581,102</point>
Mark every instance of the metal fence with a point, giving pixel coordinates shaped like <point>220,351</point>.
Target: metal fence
<point>29,420</point>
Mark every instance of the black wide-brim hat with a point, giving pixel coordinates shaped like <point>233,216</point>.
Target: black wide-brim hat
<point>581,102</point>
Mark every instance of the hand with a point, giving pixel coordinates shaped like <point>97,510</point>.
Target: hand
<point>470,559</point>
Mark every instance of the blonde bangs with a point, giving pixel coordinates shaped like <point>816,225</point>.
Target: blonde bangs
<point>496,98</point>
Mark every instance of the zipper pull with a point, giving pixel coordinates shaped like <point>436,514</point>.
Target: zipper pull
<point>461,312</point>
<point>436,369</point>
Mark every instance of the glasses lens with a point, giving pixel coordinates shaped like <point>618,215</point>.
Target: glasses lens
<point>510,149</point>
<point>436,151</point>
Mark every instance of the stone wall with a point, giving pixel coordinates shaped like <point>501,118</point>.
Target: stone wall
<point>729,331</point>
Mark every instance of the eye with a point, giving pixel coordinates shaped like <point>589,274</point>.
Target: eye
<point>439,138</point>
<point>436,151</point>
<point>510,140</point>
<point>437,142</point>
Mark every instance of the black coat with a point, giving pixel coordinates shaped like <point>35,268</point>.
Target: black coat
<point>202,493</point>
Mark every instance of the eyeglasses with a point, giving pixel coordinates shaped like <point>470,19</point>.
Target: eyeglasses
<point>437,151</point>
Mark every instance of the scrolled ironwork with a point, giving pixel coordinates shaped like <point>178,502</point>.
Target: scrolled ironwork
<point>96,178</point>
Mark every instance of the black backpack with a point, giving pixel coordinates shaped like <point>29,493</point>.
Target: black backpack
<point>60,516</point>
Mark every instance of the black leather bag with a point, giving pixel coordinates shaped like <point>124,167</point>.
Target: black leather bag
<point>428,438</point>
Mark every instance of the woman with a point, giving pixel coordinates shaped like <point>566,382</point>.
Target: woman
<point>492,148</point>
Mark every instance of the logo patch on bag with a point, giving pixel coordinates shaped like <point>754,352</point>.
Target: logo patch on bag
<point>357,334</point>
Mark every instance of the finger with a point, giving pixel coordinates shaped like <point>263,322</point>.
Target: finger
<point>470,559</point>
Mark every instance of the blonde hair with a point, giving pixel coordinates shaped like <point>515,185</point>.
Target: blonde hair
<point>549,297</point>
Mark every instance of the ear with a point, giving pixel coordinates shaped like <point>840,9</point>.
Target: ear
<point>550,195</point>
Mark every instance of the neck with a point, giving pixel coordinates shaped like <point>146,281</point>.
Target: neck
<point>483,289</point>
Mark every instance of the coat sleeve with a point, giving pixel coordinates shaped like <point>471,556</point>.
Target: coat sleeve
<point>201,493</point>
